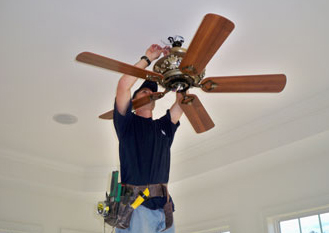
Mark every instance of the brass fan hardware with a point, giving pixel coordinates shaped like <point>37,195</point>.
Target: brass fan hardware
<point>187,99</point>
<point>208,85</point>
<point>153,78</point>
<point>184,68</point>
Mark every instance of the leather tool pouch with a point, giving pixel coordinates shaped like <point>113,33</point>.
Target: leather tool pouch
<point>120,212</point>
<point>121,219</point>
<point>124,216</point>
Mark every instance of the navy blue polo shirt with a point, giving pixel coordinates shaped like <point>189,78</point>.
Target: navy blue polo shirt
<point>144,150</point>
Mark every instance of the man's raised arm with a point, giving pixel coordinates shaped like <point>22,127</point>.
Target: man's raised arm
<point>126,82</point>
<point>175,111</point>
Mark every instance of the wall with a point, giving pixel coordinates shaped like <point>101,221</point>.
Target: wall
<point>51,211</point>
<point>245,194</point>
<point>48,195</point>
<point>242,195</point>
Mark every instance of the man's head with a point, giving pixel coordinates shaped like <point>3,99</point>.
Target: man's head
<point>152,86</point>
<point>146,88</point>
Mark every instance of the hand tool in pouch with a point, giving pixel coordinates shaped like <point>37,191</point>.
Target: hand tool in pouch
<point>141,198</point>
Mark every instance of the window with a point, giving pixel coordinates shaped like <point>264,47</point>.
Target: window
<point>318,223</point>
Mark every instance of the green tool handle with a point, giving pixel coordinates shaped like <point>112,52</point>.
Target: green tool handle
<point>117,198</point>
<point>114,183</point>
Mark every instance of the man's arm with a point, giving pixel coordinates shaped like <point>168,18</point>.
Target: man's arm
<point>126,81</point>
<point>176,111</point>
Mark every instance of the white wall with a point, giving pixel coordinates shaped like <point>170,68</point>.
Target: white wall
<point>241,195</point>
<point>244,194</point>
<point>52,211</point>
<point>47,195</point>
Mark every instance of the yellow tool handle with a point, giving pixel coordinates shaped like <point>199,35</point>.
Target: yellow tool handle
<point>139,200</point>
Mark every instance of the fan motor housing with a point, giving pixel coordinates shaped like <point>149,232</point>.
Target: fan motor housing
<point>174,79</point>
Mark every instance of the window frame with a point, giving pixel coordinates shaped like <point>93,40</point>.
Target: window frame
<point>275,222</point>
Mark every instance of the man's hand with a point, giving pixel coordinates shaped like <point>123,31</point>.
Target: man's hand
<point>155,51</point>
<point>127,81</point>
<point>166,50</point>
<point>179,96</point>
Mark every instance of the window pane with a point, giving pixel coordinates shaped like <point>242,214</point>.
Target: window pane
<point>325,222</point>
<point>310,224</point>
<point>290,226</point>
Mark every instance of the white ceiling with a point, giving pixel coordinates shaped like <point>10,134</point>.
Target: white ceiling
<point>40,78</point>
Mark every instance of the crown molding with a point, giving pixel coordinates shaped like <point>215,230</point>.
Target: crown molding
<point>10,227</point>
<point>314,105</point>
<point>42,173</point>
<point>293,123</point>
<point>27,159</point>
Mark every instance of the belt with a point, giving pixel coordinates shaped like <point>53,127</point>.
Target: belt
<point>156,190</point>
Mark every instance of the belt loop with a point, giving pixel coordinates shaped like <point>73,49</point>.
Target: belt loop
<point>165,191</point>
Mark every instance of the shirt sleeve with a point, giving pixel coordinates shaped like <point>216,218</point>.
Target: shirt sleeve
<point>121,122</point>
<point>168,125</point>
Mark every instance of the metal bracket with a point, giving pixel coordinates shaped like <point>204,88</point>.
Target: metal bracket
<point>187,99</point>
<point>153,78</point>
<point>209,85</point>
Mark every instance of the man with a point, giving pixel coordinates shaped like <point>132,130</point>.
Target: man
<point>144,149</point>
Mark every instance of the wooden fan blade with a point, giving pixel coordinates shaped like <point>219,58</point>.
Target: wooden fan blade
<point>137,103</point>
<point>196,113</point>
<point>107,116</point>
<point>108,63</point>
<point>211,34</point>
<point>252,83</point>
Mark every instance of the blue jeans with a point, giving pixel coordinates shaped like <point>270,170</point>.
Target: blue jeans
<point>144,220</point>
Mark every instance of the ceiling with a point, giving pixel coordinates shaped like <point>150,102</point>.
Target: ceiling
<point>40,78</point>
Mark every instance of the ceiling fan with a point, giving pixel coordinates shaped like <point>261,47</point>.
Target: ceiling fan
<point>185,68</point>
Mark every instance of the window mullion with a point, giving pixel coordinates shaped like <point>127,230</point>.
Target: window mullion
<point>300,226</point>
<point>320,223</point>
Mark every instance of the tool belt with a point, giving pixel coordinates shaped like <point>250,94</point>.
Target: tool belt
<point>156,190</point>
<point>121,212</point>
